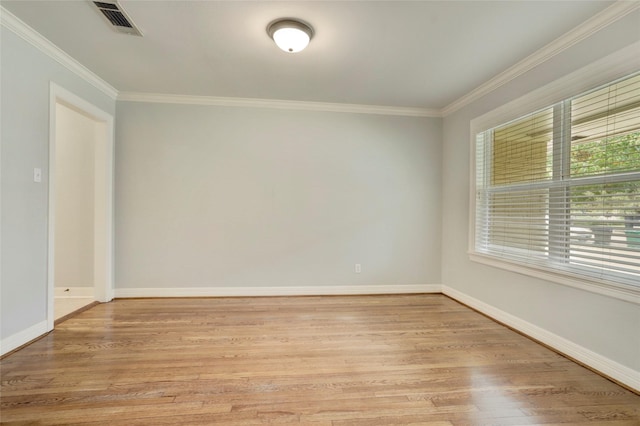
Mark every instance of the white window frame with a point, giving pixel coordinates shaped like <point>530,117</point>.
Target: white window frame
<point>615,66</point>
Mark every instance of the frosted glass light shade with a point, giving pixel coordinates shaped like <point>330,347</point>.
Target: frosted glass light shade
<point>291,39</point>
<point>290,35</point>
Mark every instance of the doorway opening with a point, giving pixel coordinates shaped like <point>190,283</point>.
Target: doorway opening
<point>80,255</point>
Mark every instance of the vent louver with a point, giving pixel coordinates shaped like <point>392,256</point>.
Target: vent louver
<point>117,17</point>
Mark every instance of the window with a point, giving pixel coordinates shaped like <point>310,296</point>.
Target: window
<point>559,189</point>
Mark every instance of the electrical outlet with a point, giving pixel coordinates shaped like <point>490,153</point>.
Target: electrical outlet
<point>358,268</point>
<point>37,175</point>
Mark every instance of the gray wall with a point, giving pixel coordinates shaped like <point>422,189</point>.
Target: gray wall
<point>211,196</point>
<point>25,77</point>
<point>604,325</point>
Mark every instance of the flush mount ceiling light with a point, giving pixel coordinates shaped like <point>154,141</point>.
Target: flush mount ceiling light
<point>291,35</point>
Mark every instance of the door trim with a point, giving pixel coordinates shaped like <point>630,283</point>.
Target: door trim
<point>104,239</point>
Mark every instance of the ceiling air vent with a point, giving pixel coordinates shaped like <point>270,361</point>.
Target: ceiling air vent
<point>117,17</point>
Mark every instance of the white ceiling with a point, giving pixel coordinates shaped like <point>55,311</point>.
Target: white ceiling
<point>423,54</point>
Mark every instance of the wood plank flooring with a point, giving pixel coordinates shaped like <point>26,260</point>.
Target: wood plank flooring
<point>352,360</point>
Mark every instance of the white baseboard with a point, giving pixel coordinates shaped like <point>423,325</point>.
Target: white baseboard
<point>276,291</point>
<point>25,336</point>
<point>594,360</point>
<point>72,292</point>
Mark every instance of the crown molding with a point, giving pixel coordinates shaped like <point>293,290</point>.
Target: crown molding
<point>611,14</point>
<point>589,27</point>
<point>276,104</point>
<point>24,31</point>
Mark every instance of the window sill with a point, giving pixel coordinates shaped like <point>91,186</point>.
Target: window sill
<point>624,292</point>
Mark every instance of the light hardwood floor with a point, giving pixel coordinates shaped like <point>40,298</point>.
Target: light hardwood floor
<point>352,360</point>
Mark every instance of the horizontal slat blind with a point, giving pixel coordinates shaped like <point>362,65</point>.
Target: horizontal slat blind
<point>560,187</point>
<point>604,130</point>
<point>521,150</point>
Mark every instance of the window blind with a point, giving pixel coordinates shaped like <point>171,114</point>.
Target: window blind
<point>559,188</point>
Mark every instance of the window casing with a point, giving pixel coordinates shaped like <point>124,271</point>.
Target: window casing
<point>558,189</point>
